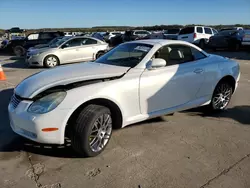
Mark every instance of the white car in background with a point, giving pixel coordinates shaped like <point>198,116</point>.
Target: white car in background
<point>141,33</point>
<point>198,35</point>
<point>132,82</point>
<point>113,34</point>
<point>67,50</point>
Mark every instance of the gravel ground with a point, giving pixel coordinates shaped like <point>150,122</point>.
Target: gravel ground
<point>190,149</point>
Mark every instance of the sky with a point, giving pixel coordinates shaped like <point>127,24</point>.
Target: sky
<point>29,14</point>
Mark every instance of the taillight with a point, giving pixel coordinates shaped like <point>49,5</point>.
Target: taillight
<point>195,35</point>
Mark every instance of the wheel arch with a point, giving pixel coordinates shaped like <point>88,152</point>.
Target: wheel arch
<point>98,51</point>
<point>116,112</point>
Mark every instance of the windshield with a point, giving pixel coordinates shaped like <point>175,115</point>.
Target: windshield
<point>59,42</point>
<point>54,40</point>
<point>125,55</point>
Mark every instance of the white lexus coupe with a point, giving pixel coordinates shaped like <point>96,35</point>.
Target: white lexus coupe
<point>133,82</point>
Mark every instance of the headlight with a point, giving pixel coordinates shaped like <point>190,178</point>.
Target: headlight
<point>47,103</point>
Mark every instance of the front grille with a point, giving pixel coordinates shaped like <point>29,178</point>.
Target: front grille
<point>15,100</point>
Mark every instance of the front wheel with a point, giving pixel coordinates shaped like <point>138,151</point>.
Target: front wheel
<point>51,61</point>
<point>221,96</point>
<point>92,130</point>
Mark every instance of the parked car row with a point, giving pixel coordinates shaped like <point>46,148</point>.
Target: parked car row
<point>231,38</point>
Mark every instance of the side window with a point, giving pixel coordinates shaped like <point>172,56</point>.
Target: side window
<point>175,54</point>
<point>197,54</point>
<point>208,30</point>
<point>73,43</point>
<point>145,32</point>
<point>163,53</point>
<point>199,30</point>
<point>215,31</point>
<point>45,36</point>
<point>33,36</point>
<point>187,30</point>
<point>89,41</point>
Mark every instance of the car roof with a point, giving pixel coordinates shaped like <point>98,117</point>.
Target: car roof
<point>75,37</point>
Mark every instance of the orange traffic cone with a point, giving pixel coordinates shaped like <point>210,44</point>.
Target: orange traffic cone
<point>2,75</point>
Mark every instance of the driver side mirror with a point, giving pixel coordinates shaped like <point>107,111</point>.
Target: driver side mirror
<point>156,63</point>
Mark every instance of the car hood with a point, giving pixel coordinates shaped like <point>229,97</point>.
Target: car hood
<point>41,50</point>
<point>64,75</point>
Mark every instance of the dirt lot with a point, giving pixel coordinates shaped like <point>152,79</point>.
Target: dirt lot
<point>190,149</point>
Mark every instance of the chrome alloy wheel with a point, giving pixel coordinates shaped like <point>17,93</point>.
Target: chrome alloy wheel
<point>100,133</point>
<point>52,61</point>
<point>222,96</point>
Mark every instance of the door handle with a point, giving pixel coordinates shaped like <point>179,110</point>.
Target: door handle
<point>198,71</point>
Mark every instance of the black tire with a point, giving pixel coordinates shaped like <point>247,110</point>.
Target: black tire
<point>202,44</point>
<point>19,51</point>
<point>99,54</point>
<point>222,84</point>
<point>46,63</point>
<point>82,128</point>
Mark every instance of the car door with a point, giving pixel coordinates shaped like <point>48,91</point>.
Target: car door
<point>70,52</point>
<point>173,85</point>
<point>88,49</point>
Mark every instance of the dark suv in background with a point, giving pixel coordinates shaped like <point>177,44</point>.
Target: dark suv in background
<point>19,47</point>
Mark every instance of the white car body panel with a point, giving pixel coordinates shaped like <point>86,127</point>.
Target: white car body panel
<point>139,93</point>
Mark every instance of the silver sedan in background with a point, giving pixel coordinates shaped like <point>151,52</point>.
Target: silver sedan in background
<point>67,50</point>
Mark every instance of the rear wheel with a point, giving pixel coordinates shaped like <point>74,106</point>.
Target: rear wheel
<point>99,54</point>
<point>221,96</point>
<point>92,130</point>
<point>19,51</point>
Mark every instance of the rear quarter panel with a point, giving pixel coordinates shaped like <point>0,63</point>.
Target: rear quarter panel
<point>216,68</point>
